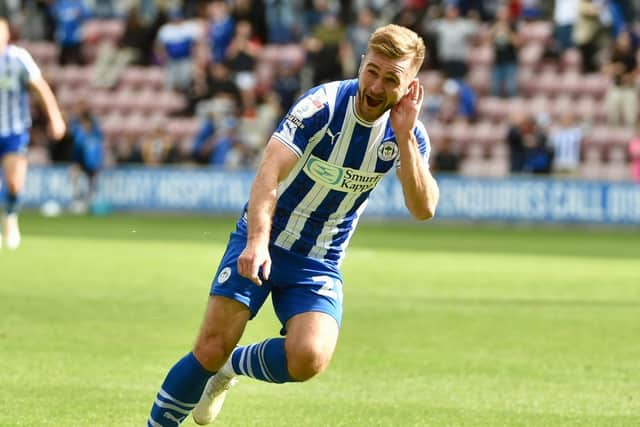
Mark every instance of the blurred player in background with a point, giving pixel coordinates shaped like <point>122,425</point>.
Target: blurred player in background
<point>319,168</point>
<point>18,73</point>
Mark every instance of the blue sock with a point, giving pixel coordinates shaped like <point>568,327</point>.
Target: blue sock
<point>179,393</point>
<point>265,361</point>
<point>12,205</point>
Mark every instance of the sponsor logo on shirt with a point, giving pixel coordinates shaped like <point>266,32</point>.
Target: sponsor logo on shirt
<point>340,178</point>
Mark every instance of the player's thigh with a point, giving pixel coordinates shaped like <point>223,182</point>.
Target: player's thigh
<point>224,318</point>
<point>15,170</point>
<point>313,330</point>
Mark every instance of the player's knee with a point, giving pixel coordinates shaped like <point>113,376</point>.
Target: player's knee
<point>211,351</point>
<point>306,361</point>
<point>13,187</point>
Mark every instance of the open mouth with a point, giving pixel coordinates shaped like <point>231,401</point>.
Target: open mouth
<point>373,102</point>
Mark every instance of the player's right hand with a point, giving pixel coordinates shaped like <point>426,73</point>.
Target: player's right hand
<point>252,259</point>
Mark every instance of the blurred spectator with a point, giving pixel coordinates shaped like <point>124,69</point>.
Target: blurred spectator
<point>528,147</point>
<point>326,50</point>
<point>175,43</point>
<point>127,150</point>
<point>87,156</point>
<point>215,82</point>
<point>281,22</point>
<point>33,20</point>
<point>634,155</point>
<point>242,55</point>
<point>530,10</point>
<point>221,29</point>
<point>622,96</point>
<point>358,34</point>
<point>254,12</point>
<point>566,139</point>
<point>131,49</point>
<point>506,42</point>
<point>69,16</point>
<point>158,147</point>
<point>587,31</point>
<point>286,84</point>
<point>215,141</point>
<point>458,101</point>
<point>454,37</point>
<point>565,14</point>
<point>446,160</point>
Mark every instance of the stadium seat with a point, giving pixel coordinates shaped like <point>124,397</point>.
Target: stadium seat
<point>480,56</point>
<point>535,31</point>
<point>530,55</point>
<point>617,168</point>
<point>44,52</point>
<point>591,166</point>
<point>431,80</point>
<point>479,78</point>
<point>571,60</point>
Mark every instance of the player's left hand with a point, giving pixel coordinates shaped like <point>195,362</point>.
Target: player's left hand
<point>57,128</point>
<point>405,113</point>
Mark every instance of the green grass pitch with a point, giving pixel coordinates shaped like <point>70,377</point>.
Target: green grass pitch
<point>443,326</point>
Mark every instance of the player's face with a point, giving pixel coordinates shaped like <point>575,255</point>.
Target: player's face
<point>382,82</point>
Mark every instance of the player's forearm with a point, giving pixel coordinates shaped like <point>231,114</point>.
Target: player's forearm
<point>420,189</point>
<point>262,203</point>
<point>47,100</point>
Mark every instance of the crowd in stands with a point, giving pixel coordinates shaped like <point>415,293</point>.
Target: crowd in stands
<point>518,86</point>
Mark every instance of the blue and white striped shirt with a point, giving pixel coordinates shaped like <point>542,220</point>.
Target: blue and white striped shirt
<point>342,159</point>
<point>17,69</point>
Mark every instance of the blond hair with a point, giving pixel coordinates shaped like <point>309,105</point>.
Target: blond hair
<point>396,42</point>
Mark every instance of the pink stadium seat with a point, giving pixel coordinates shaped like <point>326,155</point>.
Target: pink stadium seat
<point>571,60</point>
<point>604,135</point>
<point>113,126</point>
<point>536,31</point>
<point>591,167</point>
<point>44,52</point>
<point>293,54</point>
<point>586,108</point>
<point>101,101</point>
<point>539,104</point>
<point>432,81</point>
<point>436,131</point>
<point>479,79</point>
<point>183,129</point>
<point>595,84</point>
<point>560,105</point>
<point>490,107</point>
<point>96,31</point>
<point>616,168</point>
<point>143,77</point>
<point>530,55</point>
<point>480,56</point>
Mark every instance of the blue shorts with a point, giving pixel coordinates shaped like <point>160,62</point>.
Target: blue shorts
<point>14,144</point>
<point>297,284</point>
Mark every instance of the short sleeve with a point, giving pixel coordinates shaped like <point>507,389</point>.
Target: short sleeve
<point>305,119</point>
<point>424,144</point>
<point>30,71</point>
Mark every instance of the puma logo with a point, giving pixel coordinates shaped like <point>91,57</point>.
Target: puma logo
<point>332,136</point>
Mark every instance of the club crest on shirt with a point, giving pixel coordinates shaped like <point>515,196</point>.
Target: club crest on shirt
<point>224,275</point>
<point>388,151</point>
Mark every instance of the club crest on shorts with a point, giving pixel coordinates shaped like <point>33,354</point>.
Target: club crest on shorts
<point>224,275</point>
<point>388,151</point>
